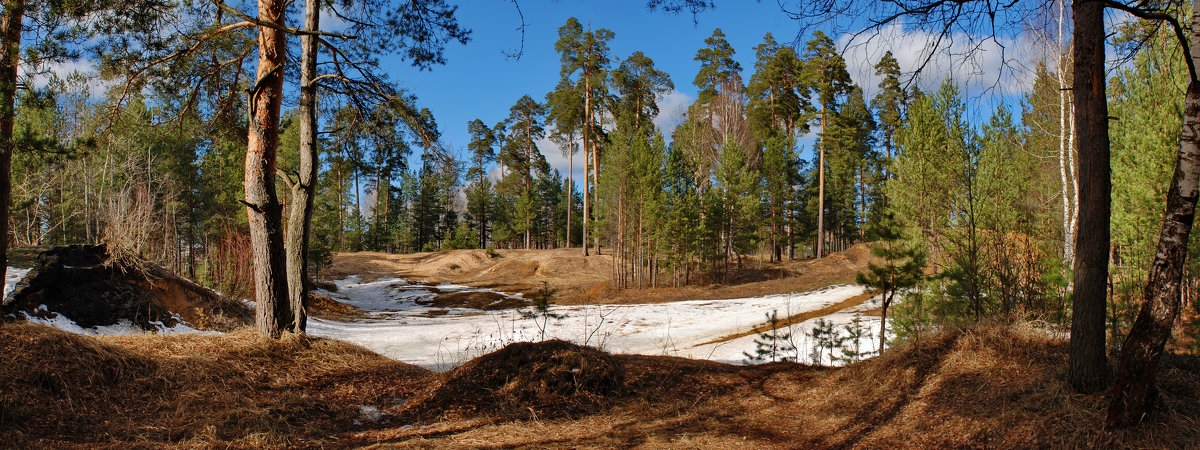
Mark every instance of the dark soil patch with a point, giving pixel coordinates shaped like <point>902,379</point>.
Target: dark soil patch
<point>484,300</point>
<point>327,308</point>
<point>543,379</point>
<point>82,283</point>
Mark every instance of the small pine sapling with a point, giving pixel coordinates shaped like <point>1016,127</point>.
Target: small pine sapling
<point>825,336</point>
<point>772,344</point>
<point>855,332</point>
<point>903,268</point>
<point>541,314</point>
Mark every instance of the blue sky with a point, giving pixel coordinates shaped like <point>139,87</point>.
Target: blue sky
<point>479,81</point>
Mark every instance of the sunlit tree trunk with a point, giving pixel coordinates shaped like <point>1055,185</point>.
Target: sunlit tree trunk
<point>262,206</point>
<point>1134,392</point>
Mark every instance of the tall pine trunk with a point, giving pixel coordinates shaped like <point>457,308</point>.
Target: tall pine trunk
<point>821,192</point>
<point>303,189</point>
<point>10,32</point>
<point>586,161</point>
<point>1088,369</point>
<point>1134,392</point>
<point>570,188</point>
<point>262,206</point>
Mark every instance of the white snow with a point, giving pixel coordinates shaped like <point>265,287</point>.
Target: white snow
<point>12,276</point>
<point>122,328</point>
<point>400,327</point>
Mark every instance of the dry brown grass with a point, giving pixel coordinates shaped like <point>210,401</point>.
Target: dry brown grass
<point>59,389</point>
<point>983,386</point>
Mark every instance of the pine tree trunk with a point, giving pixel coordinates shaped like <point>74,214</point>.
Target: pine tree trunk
<point>570,187</point>
<point>1088,369</point>
<point>1134,392</point>
<point>821,192</point>
<point>586,198</point>
<point>10,32</point>
<point>304,188</point>
<point>262,206</point>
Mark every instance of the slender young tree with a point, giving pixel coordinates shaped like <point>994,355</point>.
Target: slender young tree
<point>639,86</point>
<point>482,152</point>
<point>564,106</point>
<point>825,71</point>
<point>522,154</point>
<point>889,105</point>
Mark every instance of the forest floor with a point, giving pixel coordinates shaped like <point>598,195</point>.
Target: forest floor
<point>580,280</point>
<point>984,386</point>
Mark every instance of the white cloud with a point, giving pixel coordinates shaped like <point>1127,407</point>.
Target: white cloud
<point>671,108</point>
<point>980,65</point>
<point>558,160</point>
<point>40,76</point>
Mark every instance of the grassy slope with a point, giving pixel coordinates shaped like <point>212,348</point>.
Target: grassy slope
<point>986,386</point>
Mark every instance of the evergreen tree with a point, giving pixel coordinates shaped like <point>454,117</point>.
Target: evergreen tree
<point>902,269</point>
<point>521,154</point>
<point>585,56</point>
<point>825,77</point>
<point>639,85</point>
<point>482,148</point>
<point>889,104</point>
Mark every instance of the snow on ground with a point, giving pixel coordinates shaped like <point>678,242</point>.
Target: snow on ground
<point>399,327</point>
<point>12,276</point>
<point>121,328</point>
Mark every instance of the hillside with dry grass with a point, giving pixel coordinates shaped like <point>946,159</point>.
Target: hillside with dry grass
<point>587,279</point>
<point>985,386</point>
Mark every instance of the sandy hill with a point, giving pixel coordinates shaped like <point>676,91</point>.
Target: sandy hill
<point>579,279</point>
<point>986,386</point>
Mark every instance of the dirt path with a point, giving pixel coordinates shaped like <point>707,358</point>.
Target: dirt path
<point>586,280</point>
<point>797,318</point>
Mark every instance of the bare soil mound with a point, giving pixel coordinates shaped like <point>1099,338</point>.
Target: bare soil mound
<point>541,380</point>
<point>581,279</point>
<point>82,283</point>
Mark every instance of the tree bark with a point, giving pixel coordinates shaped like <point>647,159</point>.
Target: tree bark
<point>1069,193</point>
<point>262,206</point>
<point>586,185</point>
<point>10,32</point>
<point>1134,393</point>
<point>821,192</point>
<point>1088,369</point>
<point>303,189</point>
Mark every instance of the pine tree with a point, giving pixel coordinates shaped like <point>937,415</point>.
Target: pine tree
<point>903,268</point>
<point>639,86</point>
<point>482,148</point>
<point>523,157</point>
<point>774,343</point>
<point>585,56</point>
<point>889,104</point>
<point>826,77</point>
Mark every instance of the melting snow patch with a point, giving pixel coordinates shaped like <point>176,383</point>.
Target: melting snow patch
<point>401,328</point>
<point>369,413</point>
<point>123,327</point>
<point>12,276</point>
